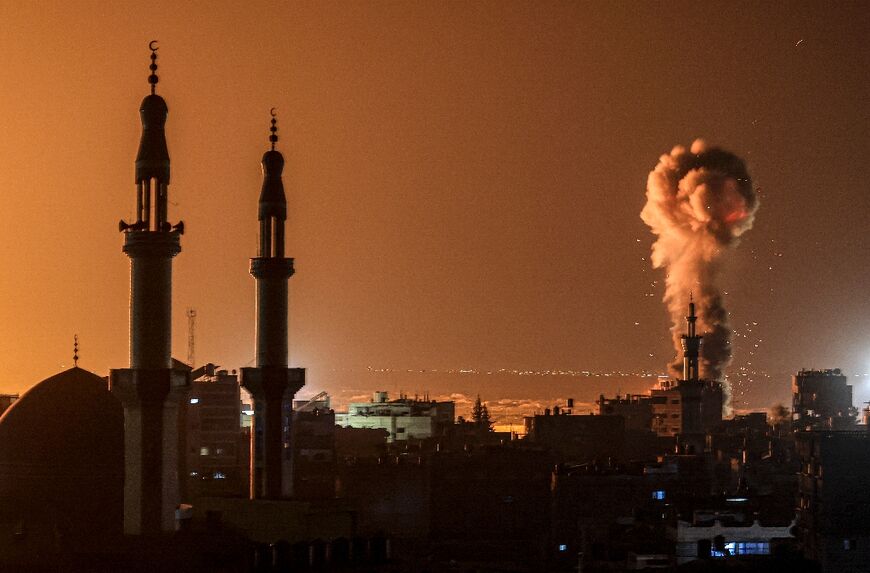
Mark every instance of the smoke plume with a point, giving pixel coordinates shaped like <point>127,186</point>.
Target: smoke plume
<point>699,203</point>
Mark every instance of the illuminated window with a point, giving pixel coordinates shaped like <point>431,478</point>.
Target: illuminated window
<point>742,548</point>
<point>219,475</point>
<point>194,400</point>
<point>203,451</point>
<point>563,547</point>
<point>659,494</point>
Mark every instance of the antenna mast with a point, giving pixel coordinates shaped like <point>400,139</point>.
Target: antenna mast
<point>191,336</point>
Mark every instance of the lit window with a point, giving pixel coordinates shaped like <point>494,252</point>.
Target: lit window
<point>203,451</point>
<point>194,400</point>
<point>219,475</point>
<point>658,494</point>
<point>194,474</point>
<point>743,548</point>
<point>563,547</point>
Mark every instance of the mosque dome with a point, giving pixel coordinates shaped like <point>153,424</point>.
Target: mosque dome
<point>62,464</point>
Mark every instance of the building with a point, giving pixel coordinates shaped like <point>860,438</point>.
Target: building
<point>821,399</point>
<point>404,418</point>
<point>216,460</point>
<point>577,437</point>
<point>686,407</point>
<point>636,409</point>
<point>314,449</point>
<point>723,534</point>
<point>833,521</point>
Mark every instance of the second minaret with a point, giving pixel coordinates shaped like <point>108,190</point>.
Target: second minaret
<point>271,383</point>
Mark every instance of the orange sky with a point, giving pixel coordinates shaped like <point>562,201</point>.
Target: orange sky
<point>464,179</point>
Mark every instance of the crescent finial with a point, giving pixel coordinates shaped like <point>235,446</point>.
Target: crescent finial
<point>152,47</point>
<point>272,112</point>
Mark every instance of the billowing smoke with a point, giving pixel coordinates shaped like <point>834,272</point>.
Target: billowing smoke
<point>699,202</point>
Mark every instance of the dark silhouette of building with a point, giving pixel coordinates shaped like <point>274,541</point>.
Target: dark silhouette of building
<point>61,467</point>
<point>151,390</point>
<point>271,383</point>
<point>575,437</point>
<point>821,399</point>
<point>636,409</point>
<point>833,499</point>
<point>217,461</point>
<point>313,443</point>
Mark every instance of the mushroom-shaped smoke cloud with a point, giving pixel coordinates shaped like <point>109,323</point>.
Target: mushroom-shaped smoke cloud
<point>699,203</point>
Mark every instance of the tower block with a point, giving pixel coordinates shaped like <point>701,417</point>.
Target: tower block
<point>271,383</point>
<point>150,390</point>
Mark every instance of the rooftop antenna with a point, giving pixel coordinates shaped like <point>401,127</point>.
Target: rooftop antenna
<point>191,331</point>
<point>75,350</point>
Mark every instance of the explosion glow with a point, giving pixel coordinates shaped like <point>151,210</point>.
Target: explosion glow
<point>699,202</point>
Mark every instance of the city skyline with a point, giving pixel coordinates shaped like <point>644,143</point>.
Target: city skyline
<point>492,225</point>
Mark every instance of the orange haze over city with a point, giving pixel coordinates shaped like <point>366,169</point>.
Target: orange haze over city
<point>464,183</point>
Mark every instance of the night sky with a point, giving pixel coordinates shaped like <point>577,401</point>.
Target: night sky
<point>464,181</point>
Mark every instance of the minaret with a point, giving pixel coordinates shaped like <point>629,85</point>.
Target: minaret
<point>150,390</point>
<point>691,346</point>
<point>271,383</point>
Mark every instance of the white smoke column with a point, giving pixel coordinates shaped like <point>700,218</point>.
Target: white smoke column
<point>698,203</point>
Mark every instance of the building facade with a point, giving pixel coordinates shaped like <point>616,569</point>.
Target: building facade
<point>822,399</point>
<point>404,419</point>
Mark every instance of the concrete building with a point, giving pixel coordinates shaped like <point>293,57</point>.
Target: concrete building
<point>636,409</point>
<point>151,391</point>
<point>821,399</point>
<point>216,460</point>
<point>271,383</point>
<point>577,438</point>
<point>314,450</point>
<point>404,418</point>
<point>833,521</point>
<point>723,534</point>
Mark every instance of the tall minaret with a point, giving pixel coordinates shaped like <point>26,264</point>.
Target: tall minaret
<point>691,346</point>
<point>150,390</point>
<point>271,383</point>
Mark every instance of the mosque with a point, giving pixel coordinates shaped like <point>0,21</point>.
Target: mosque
<point>85,461</point>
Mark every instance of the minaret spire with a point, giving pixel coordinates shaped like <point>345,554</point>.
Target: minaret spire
<point>691,345</point>
<point>271,382</point>
<point>273,138</point>
<point>153,78</point>
<point>75,350</point>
